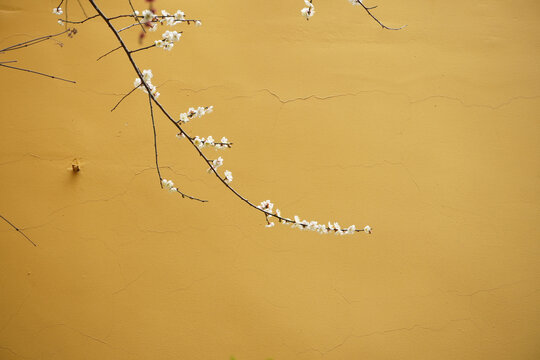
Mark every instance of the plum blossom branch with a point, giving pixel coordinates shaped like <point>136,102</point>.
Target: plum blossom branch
<point>143,81</point>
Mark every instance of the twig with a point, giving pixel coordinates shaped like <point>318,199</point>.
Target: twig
<point>81,21</point>
<point>128,27</point>
<point>32,42</point>
<point>123,97</point>
<point>82,8</point>
<point>38,73</point>
<point>19,230</point>
<point>136,17</point>
<point>368,10</point>
<point>184,195</point>
<point>113,50</point>
<point>8,62</point>
<point>155,138</point>
<point>143,48</point>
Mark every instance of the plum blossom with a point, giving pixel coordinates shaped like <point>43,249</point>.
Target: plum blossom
<point>309,10</point>
<point>168,185</point>
<point>147,77</point>
<point>332,227</point>
<point>57,11</point>
<point>228,177</point>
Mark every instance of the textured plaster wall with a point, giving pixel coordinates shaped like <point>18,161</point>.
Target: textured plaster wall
<point>430,135</point>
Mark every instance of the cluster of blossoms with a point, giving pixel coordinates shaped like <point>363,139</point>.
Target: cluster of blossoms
<point>151,20</point>
<point>228,176</point>
<point>209,141</point>
<point>216,164</point>
<point>192,112</point>
<point>267,206</point>
<point>57,11</point>
<point>168,185</point>
<point>309,10</point>
<point>147,77</point>
<point>168,39</point>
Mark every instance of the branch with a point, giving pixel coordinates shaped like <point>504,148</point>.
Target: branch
<point>136,18</point>
<point>81,21</point>
<point>19,230</point>
<point>183,132</point>
<point>32,42</point>
<point>38,73</point>
<point>113,50</point>
<point>143,48</point>
<point>368,10</point>
<point>123,97</point>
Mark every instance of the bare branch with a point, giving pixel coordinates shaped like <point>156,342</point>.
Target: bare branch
<point>113,50</point>
<point>123,97</point>
<point>19,230</point>
<point>32,41</point>
<point>38,73</point>
<point>368,10</point>
<point>82,8</point>
<point>81,21</point>
<point>155,138</point>
<point>143,48</point>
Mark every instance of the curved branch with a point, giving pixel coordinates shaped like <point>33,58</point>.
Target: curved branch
<point>176,124</point>
<point>19,230</point>
<point>368,10</point>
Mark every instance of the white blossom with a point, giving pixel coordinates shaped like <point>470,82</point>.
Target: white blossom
<point>198,23</point>
<point>367,229</point>
<point>216,164</point>
<point>179,15</point>
<point>308,11</point>
<point>147,77</point>
<point>168,185</point>
<point>192,112</point>
<point>228,177</point>
<point>57,11</point>
<point>147,15</point>
<point>355,2</point>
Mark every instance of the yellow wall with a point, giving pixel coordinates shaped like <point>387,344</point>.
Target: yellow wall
<point>429,134</point>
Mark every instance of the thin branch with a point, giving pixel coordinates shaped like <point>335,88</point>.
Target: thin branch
<point>19,230</point>
<point>136,18</point>
<point>81,21</point>
<point>176,124</point>
<point>82,8</point>
<point>113,50</point>
<point>128,27</point>
<point>368,10</point>
<point>38,73</point>
<point>186,196</point>
<point>32,41</point>
<point>143,48</point>
<point>123,97</point>
<point>155,138</point>
<point>8,62</point>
